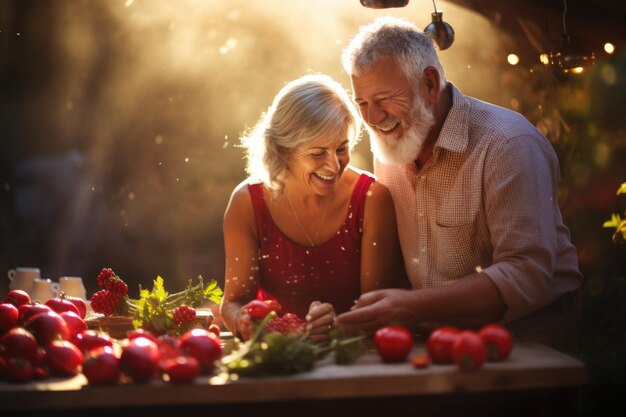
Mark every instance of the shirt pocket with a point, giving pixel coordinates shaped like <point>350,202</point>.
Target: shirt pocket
<point>456,238</point>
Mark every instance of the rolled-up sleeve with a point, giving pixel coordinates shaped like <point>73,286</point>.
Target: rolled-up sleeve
<point>520,204</point>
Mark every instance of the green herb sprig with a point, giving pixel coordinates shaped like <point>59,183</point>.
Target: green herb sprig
<point>274,353</point>
<point>153,310</point>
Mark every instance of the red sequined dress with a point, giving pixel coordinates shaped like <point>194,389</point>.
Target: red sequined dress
<point>295,275</point>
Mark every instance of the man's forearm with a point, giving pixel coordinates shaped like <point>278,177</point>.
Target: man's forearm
<point>471,301</point>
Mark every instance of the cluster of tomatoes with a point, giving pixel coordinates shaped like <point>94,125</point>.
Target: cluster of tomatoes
<point>35,339</point>
<point>467,349</point>
<point>51,339</point>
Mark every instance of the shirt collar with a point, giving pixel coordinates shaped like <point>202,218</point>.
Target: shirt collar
<point>454,132</point>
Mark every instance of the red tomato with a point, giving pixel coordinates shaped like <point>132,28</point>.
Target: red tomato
<point>18,342</point>
<point>469,351</point>
<point>39,361</point>
<point>181,368</point>
<point>202,346</point>
<point>61,304</point>
<point>17,298</point>
<point>420,361</point>
<point>40,372</point>
<point>439,344</point>
<point>48,326</point>
<point>393,343</point>
<point>274,305</point>
<point>258,309</point>
<point>80,304</point>
<point>29,310</point>
<point>140,359</point>
<point>18,370</point>
<point>90,339</point>
<point>215,329</point>
<point>498,341</point>
<point>75,324</point>
<point>101,366</point>
<point>142,333</point>
<point>168,348</point>
<point>8,316</point>
<point>63,358</point>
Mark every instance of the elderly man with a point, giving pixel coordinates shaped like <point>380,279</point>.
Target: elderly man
<point>475,193</point>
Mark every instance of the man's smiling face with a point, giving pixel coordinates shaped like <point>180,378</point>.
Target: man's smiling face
<point>395,113</point>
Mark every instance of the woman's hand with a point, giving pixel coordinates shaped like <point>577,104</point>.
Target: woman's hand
<point>243,323</point>
<point>320,320</point>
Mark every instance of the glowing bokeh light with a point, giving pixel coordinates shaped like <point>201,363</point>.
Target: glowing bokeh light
<point>544,59</point>
<point>609,48</point>
<point>512,59</point>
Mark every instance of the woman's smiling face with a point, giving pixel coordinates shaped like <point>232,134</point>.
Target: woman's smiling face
<point>318,165</point>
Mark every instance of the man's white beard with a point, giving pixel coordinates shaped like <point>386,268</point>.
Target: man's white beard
<point>393,150</point>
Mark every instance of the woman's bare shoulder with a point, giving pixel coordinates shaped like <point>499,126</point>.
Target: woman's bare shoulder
<point>240,202</point>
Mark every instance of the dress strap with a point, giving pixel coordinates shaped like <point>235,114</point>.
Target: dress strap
<point>357,201</point>
<point>259,207</point>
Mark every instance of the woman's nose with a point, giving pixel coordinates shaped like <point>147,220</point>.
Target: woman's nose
<point>333,162</point>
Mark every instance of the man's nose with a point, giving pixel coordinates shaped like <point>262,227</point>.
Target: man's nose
<point>374,114</point>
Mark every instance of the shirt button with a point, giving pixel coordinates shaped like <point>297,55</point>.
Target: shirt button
<point>421,214</point>
<point>422,177</point>
<point>423,250</point>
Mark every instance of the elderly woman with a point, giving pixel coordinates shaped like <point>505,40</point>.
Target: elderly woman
<point>306,228</point>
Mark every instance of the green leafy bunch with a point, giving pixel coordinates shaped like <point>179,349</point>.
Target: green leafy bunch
<point>153,310</point>
<point>274,353</point>
<point>617,221</point>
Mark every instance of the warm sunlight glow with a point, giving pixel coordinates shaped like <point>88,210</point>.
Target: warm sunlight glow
<point>512,59</point>
<point>577,70</point>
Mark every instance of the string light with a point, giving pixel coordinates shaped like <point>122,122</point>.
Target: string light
<point>609,48</point>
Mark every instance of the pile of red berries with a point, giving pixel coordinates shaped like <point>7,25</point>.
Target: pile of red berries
<point>289,323</point>
<point>115,289</point>
<point>184,315</point>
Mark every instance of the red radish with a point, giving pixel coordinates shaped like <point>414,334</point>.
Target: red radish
<point>47,327</point>
<point>8,316</point>
<point>63,358</point>
<point>74,323</point>
<point>101,366</point>
<point>18,342</point>
<point>60,305</point>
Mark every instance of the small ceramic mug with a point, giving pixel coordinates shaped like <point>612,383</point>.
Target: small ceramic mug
<point>43,290</point>
<point>73,286</point>
<point>23,278</point>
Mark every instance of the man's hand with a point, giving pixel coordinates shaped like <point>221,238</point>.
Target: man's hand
<point>379,308</point>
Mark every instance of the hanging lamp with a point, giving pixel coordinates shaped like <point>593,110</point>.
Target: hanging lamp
<point>440,32</point>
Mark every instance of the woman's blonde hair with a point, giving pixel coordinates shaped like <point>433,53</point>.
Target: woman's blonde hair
<point>304,110</point>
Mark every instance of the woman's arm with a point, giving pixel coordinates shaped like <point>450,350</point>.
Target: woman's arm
<point>242,261</point>
<point>382,265</point>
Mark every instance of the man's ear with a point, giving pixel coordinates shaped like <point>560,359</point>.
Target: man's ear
<point>431,83</point>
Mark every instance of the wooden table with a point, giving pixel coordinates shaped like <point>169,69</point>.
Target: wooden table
<point>534,381</point>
